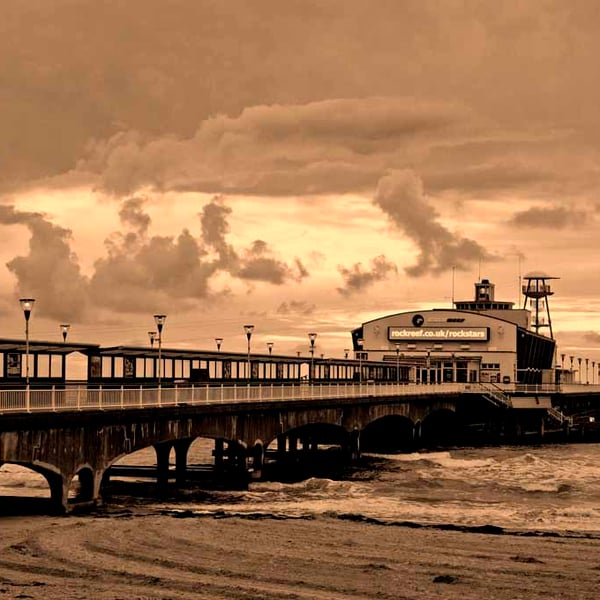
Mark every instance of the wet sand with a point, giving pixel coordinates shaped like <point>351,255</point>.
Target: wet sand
<point>135,555</point>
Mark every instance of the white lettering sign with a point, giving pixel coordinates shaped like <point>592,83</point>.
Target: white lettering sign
<point>474,334</point>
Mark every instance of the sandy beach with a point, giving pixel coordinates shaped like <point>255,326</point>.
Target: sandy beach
<point>159,556</point>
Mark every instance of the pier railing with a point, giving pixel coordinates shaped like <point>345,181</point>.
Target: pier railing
<point>79,397</point>
<point>83,398</point>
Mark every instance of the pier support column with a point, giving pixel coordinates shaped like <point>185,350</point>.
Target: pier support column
<point>258,458</point>
<point>281,447</point>
<point>354,444</point>
<point>59,491</point>
<point>163,451</point>
<point>417,432</point>
<point>218,453</point>
<point>181,453</point>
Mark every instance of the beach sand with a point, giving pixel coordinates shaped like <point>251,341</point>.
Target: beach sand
<point>148,555</point>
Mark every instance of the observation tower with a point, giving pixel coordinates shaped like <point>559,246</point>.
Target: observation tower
<point>537,290</point>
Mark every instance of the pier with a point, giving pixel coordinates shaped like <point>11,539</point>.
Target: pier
<point>75,435</point>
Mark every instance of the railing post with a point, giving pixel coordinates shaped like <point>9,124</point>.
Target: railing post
<point>100,397</point>
<point>221,392</point>
<point>176,395</point>
<point>53,396</point>
<point>79,397</point>
<point>121,396</point>
<point>27,399</point>
<point>141,395</point>
<point>193,400</point>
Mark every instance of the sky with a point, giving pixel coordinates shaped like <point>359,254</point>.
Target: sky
<point>302,166</point>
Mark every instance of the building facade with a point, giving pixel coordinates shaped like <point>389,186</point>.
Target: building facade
<point>479,340</point>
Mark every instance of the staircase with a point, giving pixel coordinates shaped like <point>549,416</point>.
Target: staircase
<point>560,417</point>
<point>495,395</point>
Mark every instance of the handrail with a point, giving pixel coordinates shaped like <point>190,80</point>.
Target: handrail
<point>82,398</point>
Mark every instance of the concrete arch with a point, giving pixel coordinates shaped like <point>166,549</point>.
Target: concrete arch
<point>87,488</point>
<point>440,428</point>
<point>392,433</point>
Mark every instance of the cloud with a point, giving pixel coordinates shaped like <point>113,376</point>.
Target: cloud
<point>335,145</point>
<point>140,272</point>
<point>356,279</point>
<point>400,196</point>
<point>50,272</point>
<point>258,264</point>
<point>551,217</point>
<point>296,307</point>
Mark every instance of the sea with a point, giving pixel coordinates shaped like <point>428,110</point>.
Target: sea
<point>552,488</point>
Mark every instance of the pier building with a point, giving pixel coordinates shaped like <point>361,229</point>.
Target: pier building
<point>479,340</point>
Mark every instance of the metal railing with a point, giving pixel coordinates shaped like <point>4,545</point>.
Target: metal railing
<point>83,398</point>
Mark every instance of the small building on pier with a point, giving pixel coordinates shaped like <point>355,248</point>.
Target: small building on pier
<point>482,340</point>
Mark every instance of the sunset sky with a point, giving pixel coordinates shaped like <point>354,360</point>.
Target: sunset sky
<point>303,165</point>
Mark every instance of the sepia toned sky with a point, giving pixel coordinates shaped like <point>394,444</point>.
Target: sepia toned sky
<point>302,166</point>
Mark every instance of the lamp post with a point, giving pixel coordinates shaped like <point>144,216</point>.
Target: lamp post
<point>65,331</point>
<point>160,321</point>
<point>587,370</point>
<point>152,336</point>
<point>218,341</point>
<point>270,347</point>
<point>312,337</point>
<point>579,361</point>
<point>593,372</point>
<point>346,352</point>
<point>27,306</point>
<point>397,363</point>
<point>562,361</point>
<point>248,329</point>
<point>360,342</point>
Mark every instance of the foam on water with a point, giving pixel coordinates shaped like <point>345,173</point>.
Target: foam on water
<point>553,488</point>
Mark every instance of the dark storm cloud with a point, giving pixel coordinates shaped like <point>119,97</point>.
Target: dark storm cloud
<point>148,93</point>
<point>50,272</point>
<point>552,217</point>
<point>400,196</point>
<point>327,146</point>
<point>357,279</point>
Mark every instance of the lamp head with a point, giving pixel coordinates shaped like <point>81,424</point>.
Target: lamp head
<point>27,306</point>
<point>248,329</point>
<point>160,321</point>
<point>65,330</point>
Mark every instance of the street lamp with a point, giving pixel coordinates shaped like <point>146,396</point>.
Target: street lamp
<point>152,335</point>
<point>218,341</point>
<point>312,337</point>
<point>346,352</point>
<point>360,342</point>
<point>587,370</point>
<point>270,347</point>
<point>160,321</point>
<point>248,329</point>
<point>562,361</point>
<point>397,363</point>
<point>65,331</point>
<point>27,306</point>
<point>579,361</point>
